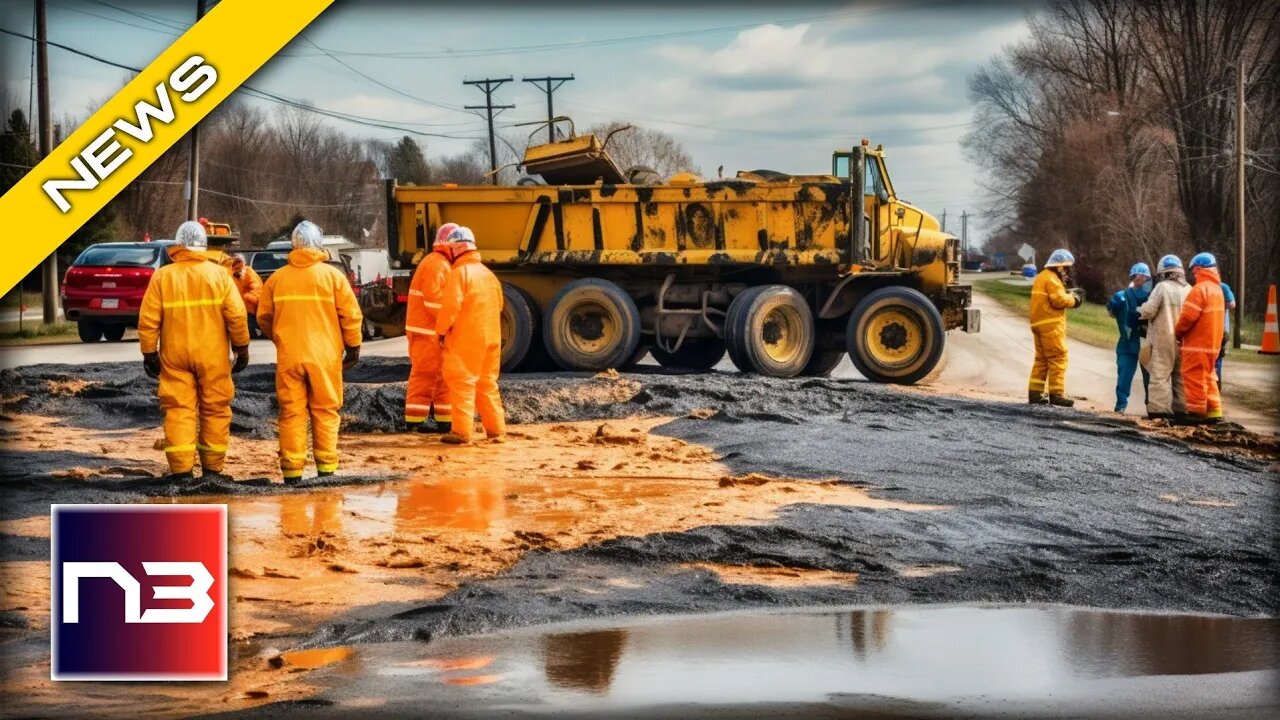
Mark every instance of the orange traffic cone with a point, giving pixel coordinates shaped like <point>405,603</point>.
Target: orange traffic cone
<point>1271,330</point>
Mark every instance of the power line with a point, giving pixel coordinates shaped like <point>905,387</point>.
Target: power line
<point>379,83</point>
<point>521,49</point>
<point>115,20</point>
<point>264,95</point>
<point>544,84</point>
<point>488,86</point>
<point>164,22</point>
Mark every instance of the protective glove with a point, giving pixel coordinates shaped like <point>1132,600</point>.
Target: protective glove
<point>242,358</point>
<point>350,356</point>
<point>1079,296</point>
<point>151,364</point>
<point>441,338</point>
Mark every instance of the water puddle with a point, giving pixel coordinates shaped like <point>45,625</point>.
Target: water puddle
<point>312,659</point>
<point>979,658</point>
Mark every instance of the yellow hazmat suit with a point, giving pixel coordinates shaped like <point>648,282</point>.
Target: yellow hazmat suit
<point>192,315</point>
<point>308,310</point>
<point>470,323</point>
<point>1049,303</point>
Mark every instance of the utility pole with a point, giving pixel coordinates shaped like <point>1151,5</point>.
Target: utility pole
<point>193,170</point>
<point>49,272</point>
<point>1235,332</point>
<point>944,219</point>
<point>544,84</point>
<point>964,237</point>
<point>487,86</point>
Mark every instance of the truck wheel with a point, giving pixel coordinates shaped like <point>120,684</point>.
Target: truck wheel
<point>519,322</point>
<point>770,330</point>
<point>692,354</point>
<point>592,325</point>
<point>895,335</point>
<point>822,363</point>
<point>113,333</point>
<point>90,331</point>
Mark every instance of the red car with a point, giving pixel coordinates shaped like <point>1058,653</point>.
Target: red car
<point>102,290</point>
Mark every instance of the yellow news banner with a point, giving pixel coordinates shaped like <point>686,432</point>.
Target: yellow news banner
<point>134,128</point>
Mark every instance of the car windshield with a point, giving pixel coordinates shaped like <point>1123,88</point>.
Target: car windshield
<point>269,261</point>
<point>120,256</point>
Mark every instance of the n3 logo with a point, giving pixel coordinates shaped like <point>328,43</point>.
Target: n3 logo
<point>139,592</point>
<point>197,592</point>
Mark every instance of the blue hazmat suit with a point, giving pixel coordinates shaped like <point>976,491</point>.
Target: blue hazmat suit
<point>1123,306</point>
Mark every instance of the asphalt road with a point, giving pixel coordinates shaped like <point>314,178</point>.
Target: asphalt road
<point>996,362</point>
<point>991,364</point>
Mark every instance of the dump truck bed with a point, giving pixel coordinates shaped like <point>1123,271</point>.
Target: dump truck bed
<point>716,223</point>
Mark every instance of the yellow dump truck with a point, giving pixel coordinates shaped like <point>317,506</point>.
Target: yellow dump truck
<point>784,273</point>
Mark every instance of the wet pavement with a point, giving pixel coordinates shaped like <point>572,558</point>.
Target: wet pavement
<point>620,496</point>
<point>887,661</point>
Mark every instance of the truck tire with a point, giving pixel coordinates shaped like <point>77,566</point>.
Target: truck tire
<point>519,326</point>
<point>822,363</point>
<point>90,331</point>
<point>692,354</point>
<point>895,335</point>
<point>592,324</point>
<point>769,329</point>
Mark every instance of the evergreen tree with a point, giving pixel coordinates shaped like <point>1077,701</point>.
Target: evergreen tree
<point>407,164</point>
<point>17,152</point>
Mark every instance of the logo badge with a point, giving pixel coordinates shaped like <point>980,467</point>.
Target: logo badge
<point>139,592</point>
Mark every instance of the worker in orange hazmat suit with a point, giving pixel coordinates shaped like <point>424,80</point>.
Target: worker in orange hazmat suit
<point>426,393</point>
<point>470,331</point>
<point>1200,329</point>
<point>309,311</point>
<point>1049,302</point>
<point>190,321</point>
<point>248,282</point>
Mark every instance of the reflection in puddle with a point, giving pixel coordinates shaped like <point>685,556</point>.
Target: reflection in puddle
<point>583,661</point>
<point>929,654</point>
<point>312,659</point>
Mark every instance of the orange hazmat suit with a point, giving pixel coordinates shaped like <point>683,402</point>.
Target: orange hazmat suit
<point>426,391</point>
<point>1200,328</point>
<point>192,315</point>
<point>249,283</point>
<point>308,310</point>
<point>470,323</point>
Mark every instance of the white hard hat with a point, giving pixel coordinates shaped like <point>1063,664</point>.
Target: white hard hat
<point>307,235</point>
<point>462,235</point>
<point>191,234</point>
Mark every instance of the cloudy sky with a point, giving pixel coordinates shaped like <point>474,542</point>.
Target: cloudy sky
<point>762,85</point>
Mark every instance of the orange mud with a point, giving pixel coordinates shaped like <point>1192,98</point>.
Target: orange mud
<point>300,559</point>
<point>780,577</point>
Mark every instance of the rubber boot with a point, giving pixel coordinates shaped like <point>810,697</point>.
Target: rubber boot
<point>216,475</point>
<point>293,481</point>
<point>1036,398</point>
<point>413,426</point>
<point>182,477</point>
<point>436,427</point>
<point>324,473</point>
<point>454,439</point>
<point>1061,401</point>
<point>1159,416</point>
